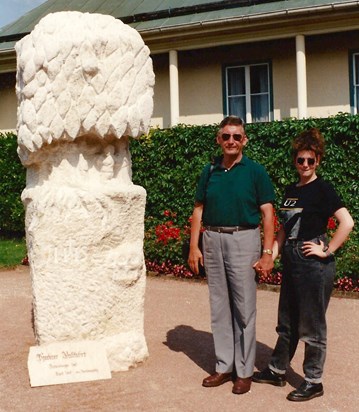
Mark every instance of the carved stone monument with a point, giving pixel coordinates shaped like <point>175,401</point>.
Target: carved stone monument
<point>84,85</point>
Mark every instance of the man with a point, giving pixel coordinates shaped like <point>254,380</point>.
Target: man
<point>231,196</point>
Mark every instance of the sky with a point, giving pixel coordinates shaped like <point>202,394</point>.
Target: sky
<point>11,10</point>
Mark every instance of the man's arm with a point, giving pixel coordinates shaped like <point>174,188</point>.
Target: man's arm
<point>195,255</point>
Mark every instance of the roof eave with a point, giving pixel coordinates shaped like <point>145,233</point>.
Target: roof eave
<point>256,27</point>
<point>286,23</point>
<point>7,60</point>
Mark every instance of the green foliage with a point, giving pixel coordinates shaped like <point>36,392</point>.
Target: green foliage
<point>163,242</point>
<point>168,163</point>
<point>12,252</point>
<point>12,182</point>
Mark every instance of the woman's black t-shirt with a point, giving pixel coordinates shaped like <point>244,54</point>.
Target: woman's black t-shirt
<point>306,209</point>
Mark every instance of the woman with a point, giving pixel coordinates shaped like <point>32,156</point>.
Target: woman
<point>308,268</point>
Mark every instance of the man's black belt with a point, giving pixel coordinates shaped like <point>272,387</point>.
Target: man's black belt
<point>229,229</point>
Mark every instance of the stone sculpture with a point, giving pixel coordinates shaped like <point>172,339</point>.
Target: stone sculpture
<point>84,86</point>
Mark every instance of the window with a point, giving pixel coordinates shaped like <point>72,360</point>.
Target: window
<point>354,78</point>
<point>247,92</point>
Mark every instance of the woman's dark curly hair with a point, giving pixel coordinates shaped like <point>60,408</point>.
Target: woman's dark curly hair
<point>310,139</point>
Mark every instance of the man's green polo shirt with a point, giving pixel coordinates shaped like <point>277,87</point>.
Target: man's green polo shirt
<point>233,197</point>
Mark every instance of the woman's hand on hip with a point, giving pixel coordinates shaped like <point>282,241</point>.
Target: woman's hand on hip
<point>313,249</point>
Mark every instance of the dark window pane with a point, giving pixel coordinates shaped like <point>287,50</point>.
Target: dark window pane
<point>237,107</point>
<point>255,80</point>
<point>259,79</point>
<point>236,81</point>
<point>260,108</point>
<point>356,68</point>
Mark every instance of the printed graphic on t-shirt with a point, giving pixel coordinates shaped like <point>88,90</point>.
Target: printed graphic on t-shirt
<point>290,215</point>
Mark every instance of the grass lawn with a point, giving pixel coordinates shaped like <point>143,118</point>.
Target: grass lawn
<point>12,251</point>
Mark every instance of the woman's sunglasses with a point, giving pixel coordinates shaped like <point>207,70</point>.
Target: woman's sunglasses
<point>227,136</point>
<point>301,160</point>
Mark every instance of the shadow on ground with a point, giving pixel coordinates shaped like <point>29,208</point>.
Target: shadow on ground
<point>198,346</point>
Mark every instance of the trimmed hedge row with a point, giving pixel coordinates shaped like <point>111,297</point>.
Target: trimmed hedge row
<point>168,163</point>
<point>12,182</point>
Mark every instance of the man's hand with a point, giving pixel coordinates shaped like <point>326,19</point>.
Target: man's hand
<point>264,265</point>
<point>195,257</point>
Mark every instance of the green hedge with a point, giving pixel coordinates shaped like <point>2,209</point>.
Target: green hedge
<point>168,163</point>
<point>12,182</point>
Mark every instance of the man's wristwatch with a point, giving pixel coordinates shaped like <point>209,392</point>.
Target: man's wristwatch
<point>268,251</point>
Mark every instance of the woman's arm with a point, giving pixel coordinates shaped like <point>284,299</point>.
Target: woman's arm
<point>278,243</point>
<point>345,226</point>
<point>265,263</point>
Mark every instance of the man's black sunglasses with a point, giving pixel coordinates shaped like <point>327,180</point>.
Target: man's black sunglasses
<point>301,160</point>
<point>227,136</point>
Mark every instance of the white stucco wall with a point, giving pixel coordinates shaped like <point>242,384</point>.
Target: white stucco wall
<point>328,75</point>
<point>8,109</point>
<point>200,80</point>
<point>201,88</point>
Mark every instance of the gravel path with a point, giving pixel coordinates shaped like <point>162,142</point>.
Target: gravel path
<point>177,329</point>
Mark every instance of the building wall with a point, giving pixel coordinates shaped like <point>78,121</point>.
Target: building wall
<point>284,74</point>
<point>328,73</point>
<point>8,102</point>
<point>161,112</point>
<point>200,79</point>
<point>200,87</point>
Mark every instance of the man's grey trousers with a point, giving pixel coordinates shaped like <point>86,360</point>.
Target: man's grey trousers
<point>228,261</point>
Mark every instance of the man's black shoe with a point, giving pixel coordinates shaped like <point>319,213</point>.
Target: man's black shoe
<point>306,391</point>
<point>268,376</point>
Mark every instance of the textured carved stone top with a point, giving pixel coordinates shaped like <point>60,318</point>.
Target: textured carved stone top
<point>70,83</point>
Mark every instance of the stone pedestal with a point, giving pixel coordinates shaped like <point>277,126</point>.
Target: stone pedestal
<point>84,86</point>
<point>87,266</point>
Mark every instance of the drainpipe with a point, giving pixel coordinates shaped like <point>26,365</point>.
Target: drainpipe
<point>301,77</point>
<point>174,88</point>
